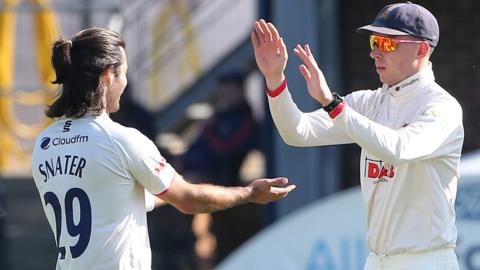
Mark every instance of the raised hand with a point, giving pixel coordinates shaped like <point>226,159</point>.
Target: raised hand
<point>266,190</point>
<point>316,82</point>
<point>270,53</point>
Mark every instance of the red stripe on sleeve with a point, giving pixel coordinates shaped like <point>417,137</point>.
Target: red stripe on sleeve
<point>278,91</point>
<point>161,193</point>
<point>337,110</point>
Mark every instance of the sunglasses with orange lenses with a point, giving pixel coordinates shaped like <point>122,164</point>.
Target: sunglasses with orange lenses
<point>388,44</point>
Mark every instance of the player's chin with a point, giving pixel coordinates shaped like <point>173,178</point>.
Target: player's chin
<point>384,78</point>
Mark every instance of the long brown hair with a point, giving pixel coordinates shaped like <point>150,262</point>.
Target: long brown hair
<point>79,64</point>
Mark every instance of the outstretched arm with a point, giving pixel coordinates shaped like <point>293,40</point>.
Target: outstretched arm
<point>202,198</point>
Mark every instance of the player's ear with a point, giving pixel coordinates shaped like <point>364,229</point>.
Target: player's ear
<point>107,76</point>
<point>423,50</point>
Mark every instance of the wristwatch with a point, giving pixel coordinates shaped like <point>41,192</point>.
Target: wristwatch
<point>336,100</point>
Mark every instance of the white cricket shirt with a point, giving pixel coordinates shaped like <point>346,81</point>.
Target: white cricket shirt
<point>411,136</point>
<point>95,178</point>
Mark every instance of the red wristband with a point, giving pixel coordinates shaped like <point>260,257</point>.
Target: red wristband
<point>278,91</point>
<point>337,110</point>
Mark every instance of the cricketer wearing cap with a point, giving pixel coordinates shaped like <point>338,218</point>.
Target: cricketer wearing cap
<point>410,131</point>
<point>96,177</point>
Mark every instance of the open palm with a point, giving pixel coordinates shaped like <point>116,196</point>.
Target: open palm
<point>268,190</point>
<point>270,50</point>
<point>316,82</point>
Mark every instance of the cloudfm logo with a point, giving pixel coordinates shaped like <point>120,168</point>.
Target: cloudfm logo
<point>59,141</point>
<point>45,143</point>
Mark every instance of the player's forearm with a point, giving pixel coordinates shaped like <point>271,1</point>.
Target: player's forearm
<point>303,129</point>
<point>274,81</point>
<point>206,198</point>
<point>201,198</point>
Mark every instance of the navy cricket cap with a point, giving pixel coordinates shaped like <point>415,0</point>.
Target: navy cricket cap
<point>405,19</point>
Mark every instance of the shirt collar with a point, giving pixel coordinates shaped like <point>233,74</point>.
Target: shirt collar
<point>411,84</point>
<point>103,113</point>
<point>89,114</point>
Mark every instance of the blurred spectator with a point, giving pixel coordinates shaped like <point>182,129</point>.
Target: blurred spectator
<point>226,138</point>
<point>218,154</point>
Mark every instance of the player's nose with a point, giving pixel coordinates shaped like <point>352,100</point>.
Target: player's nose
<point>375,53</point>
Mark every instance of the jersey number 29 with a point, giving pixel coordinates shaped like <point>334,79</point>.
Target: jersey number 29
<point>84,226</point>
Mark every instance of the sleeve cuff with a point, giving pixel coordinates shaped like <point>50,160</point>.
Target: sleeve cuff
<point>169,185</point>
<point>163,192</point>
<point>337,110</point>
<point>278,90</point>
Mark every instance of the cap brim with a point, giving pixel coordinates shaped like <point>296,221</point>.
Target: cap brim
<point>381,30</point>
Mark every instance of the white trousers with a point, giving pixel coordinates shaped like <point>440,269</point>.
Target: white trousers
<point>440,259</point>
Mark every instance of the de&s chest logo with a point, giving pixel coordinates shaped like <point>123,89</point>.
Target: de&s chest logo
<point>378,170</point>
